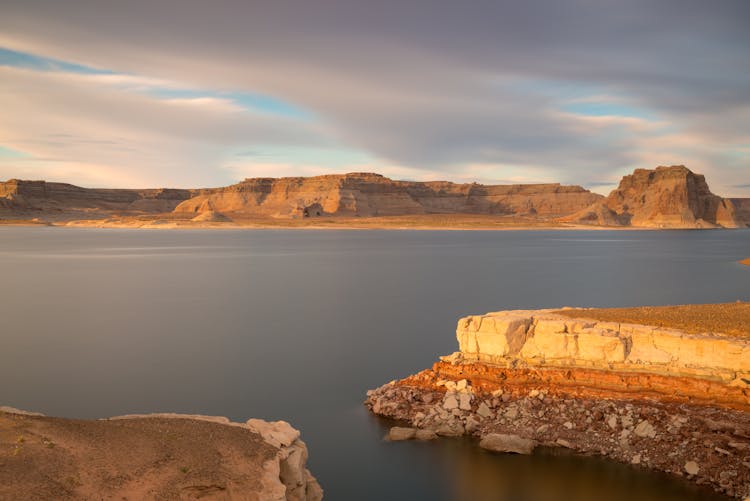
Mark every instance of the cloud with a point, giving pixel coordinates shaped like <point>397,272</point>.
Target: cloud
<point>68,121</point>
<point>439,85</point>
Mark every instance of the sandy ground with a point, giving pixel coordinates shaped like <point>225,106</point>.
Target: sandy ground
<point>728,318</point>
<point>144,458</point>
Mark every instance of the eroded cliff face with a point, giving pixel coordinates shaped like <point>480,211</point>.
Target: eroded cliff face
<point>658,397</point>
<point>666,197</point>
<point>367,194</point>
<point>152,456</point>
<point>742,209</point>
<point>41,196</point>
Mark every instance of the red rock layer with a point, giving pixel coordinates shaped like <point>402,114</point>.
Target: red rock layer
<point>586,383</point>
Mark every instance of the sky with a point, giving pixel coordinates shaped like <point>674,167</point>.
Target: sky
<point>196,94</point>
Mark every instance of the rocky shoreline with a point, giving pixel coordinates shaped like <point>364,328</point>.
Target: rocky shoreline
<point>153,456</point>
<point>665,410</point>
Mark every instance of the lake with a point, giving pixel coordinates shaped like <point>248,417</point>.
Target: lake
<point>299,324</point>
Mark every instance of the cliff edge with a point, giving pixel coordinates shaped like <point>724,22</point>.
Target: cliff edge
<point>158,456</point>
<point>363,194</point>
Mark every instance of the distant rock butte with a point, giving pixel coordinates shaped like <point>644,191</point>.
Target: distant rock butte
<point>41,196</point>
<point>666,197</point>
<point>367,194</point>
<point>670,197</point>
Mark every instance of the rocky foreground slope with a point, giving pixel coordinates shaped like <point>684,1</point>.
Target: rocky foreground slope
<point>159,456</point>
<point>664,398</point>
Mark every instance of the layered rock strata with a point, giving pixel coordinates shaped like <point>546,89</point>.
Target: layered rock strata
<point>665,197</point>
<point>367,194</point>
<point>157,456</point>
<point>41,196</point>
<point>656,397</point>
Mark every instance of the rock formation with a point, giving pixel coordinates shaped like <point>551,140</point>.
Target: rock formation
<point>366,194</point>
<point>742,209</point>
<point>659,397</point>
<point>666,197</point>
<point>41,196</point>
<point>157,456</point>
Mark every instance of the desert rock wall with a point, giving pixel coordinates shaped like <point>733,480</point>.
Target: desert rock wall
<point>665,197</point>
<point>542,338</point>
<point>367,194</point>
<point>41,195</point>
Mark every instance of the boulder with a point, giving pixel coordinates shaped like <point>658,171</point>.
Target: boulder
<point>398,433</point>
<point>499,442</point>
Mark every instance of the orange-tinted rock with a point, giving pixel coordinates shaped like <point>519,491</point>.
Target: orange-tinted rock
<point>367,194</point>
<point>666,197</point>
<point>22,195</point>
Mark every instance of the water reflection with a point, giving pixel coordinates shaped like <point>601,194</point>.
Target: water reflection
<point>550,474</point>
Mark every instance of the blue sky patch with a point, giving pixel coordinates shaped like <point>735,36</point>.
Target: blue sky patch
<point>24,60</point>
<point>604,109</point>
<point>10,153</point>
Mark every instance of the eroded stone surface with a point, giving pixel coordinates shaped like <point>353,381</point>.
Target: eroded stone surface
<point>545,339</point>
<point>152,456</point>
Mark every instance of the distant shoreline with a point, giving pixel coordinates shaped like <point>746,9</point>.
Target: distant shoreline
<point>473,223</point>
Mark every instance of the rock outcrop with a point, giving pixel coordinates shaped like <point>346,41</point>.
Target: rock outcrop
<point>648,395</point>
<point>543,338</point>
<point>156,456</point>
<point>666,197</point>
<point>41,196</point>
<point>742,209</point>
<point>367,194</point>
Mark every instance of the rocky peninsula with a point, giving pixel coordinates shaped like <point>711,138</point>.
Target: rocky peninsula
<point>667,197</point>
<point>633,384</point>
<point>157,456</point>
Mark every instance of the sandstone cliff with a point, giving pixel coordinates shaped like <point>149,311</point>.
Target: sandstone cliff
<point>742,209</point>
<point>366,194</point>
<point>43,197</point>
<point>157,456</point>
<point>664,398</point>
<point>666,197</point>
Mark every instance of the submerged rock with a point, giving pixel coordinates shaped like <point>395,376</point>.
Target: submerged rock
<point>499,442</point>
<point>399,433</point>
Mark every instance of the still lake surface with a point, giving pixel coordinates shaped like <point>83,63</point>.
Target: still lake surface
<point>298,325</point>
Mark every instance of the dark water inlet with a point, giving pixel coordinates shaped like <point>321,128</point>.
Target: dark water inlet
<point>297,325</point>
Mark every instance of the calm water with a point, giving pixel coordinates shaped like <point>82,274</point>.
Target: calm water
<point>297,325</point>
